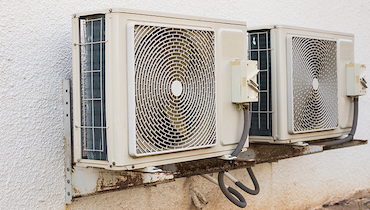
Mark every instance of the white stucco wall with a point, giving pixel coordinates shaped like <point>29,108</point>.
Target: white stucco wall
<point>35,56</point>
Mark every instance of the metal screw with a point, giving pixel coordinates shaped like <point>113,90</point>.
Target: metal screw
<point>114,163</point>
<point>132,166</point>
<point>67,168</point>
<point>68,193</point>
<point>78,160</point>
<point>74,15</point>
<point>68,181</point>
<point>110,10</point>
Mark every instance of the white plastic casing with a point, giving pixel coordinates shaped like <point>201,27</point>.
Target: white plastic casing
<point>356,83</point>
<point>230,44</point>
<point>279,86</point>
<point>244,81</point>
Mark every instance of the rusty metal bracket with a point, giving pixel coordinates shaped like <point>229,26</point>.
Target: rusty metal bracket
<point>206,166</point>
<point>90,181</point>
<point>354,142</point>
<point>266,153</point>
<point>256,154</point>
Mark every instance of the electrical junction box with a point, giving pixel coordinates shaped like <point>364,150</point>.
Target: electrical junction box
<point>244,81</point>
<point>356,83</point>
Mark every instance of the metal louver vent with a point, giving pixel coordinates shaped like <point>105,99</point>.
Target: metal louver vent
<point>312,84</point>
<point>174,84</point>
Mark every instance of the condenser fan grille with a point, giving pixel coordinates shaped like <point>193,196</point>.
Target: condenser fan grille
<point>175,89</point>
<point>314,85</point>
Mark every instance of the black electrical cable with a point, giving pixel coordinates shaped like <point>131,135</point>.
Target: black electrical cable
<point>351,133</point>
<point>245,133</point>
<point>255,183</point>
<point>239,200</point>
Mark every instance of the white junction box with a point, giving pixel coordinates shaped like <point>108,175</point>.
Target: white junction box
<point>244,81</point>
<point>356,83</point>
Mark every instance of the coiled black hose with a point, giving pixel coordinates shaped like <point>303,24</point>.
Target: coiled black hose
<point>255,183</point>
<point>239,200</point>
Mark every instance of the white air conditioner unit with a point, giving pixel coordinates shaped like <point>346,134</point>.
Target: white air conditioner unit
<point>302,83</point>
<point>152,88</point>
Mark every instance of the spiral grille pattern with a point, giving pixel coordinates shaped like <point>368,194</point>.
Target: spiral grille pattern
<point>173,120</point>
<point>315,97</point>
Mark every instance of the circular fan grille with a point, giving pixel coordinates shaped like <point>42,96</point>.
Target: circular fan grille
<point>175,89</point>
<point>315,97</point>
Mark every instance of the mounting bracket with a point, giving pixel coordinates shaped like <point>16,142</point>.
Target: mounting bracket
<point>67,139</point>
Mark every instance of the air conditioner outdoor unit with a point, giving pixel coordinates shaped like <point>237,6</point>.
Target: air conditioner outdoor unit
<point>302,80</point>
<point>152,88</point>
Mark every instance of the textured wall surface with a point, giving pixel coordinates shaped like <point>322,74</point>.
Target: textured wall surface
<point>35,56</point>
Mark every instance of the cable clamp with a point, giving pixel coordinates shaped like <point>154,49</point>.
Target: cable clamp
<point>227,157</point>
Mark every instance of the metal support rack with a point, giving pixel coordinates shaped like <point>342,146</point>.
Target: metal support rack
<point>101,180</point>
<point>89,181</point>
